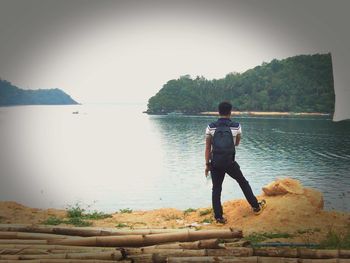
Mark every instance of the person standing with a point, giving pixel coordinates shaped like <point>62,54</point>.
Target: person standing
<point>221,138</point>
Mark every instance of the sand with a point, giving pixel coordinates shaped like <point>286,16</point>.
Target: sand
<point>291,208</point>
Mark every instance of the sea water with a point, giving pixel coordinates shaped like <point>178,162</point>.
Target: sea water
<point>111,157</point>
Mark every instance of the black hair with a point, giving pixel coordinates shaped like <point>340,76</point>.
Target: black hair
<point>225,108</point>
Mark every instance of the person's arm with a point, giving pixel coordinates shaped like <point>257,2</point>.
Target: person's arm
<point>238,139</point>
<point>207,154</point>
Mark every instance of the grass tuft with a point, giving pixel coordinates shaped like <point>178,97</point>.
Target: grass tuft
<point>335,240</point>
<point>77,216</point>
<point>189,210</point>
<point>205,212</point>
<point>259,237</point>
<point>125,211</point>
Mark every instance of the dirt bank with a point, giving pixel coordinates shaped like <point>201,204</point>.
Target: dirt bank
<point>291,208</point>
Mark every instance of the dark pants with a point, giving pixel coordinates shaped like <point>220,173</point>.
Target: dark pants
<point>218,175</point>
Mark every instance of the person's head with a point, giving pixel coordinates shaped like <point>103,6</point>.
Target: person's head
<point>225,108</point>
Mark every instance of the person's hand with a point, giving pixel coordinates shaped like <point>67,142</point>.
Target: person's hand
<point>207,169</point>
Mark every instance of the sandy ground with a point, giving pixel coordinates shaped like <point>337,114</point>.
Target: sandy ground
<point>291,208</point>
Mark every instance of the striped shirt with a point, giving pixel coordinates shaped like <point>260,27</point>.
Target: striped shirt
<point>235,128</point>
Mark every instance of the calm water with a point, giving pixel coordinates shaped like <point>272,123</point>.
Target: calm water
<point>113,157</point>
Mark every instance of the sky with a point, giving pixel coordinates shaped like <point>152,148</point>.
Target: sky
<point>124,51</point>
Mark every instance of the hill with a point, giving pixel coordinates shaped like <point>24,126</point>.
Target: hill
<point>12,95</point>
<point>301,83</point>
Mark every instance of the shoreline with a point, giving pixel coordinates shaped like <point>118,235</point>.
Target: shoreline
<point>245,113</point>
<point>266,113</point>
<point>291,208</point>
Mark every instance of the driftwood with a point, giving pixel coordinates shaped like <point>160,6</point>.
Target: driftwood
<point>148,240</point>
<point>81,231</point>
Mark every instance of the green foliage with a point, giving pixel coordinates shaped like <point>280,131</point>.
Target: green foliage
<point>171,217</point>
<point>75,211</point>
<point>189,210</point>
<point>125,211</point>
<point>12,95</point>
<point>77,216</point>
<point>297,84</point>
<point>205,212</point>
<point>97,215</point>
<point>335,240</point>
<point>207,220</point>
<point>259,237</point>
<point>121,225</point>
<point>77,221</point>
<point>53,220</point>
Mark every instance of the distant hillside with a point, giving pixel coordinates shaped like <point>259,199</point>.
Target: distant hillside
<point>298,84</point>
<point>12,95</point>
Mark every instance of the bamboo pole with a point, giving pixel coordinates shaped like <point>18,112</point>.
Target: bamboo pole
<point>22,235</point>
<point>317,253</point>
<point>23,241</point>
<point>29,251</point>
<point>240,243</point>
<point>66,261</point>
<point>276,252</point>
<point>344,253</point>
<point>148,240</point>
<point>253,259</point>
<point>115,255</point>
<point>212,259</point>
<point>58,247</point>
<point>200,244</point>
<point>237,252</point>
<point>143,258</point>
<point>81,231</point>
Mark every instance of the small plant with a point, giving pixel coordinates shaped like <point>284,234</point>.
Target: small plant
<point>189,210</point>
<point>125,211</point>
<point>53,220</point>
<point>259,237</point>
<point>171,217</point>
<point>96,215</point>
<point>335,240</point>
<point>120,225</point>
<point>205,212</point>
<point>75,211</point>
<point>207,220</point>
<point>77,216</point>
<point>77,221</point>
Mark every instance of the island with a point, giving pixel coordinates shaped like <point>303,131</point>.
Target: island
<point>299,84</point>
<point>11,95</point>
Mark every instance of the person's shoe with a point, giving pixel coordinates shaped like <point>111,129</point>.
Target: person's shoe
<point>262,205</point>
<point>221,220</point>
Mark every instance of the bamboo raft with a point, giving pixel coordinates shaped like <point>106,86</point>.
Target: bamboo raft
<point>38,243</point>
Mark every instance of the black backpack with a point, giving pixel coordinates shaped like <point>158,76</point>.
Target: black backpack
<point>223,152</point>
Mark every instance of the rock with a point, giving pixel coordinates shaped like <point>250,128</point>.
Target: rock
<point>283,186</point>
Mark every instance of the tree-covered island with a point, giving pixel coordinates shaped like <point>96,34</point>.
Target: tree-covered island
<point>12,95</point>
<point>301,83</point>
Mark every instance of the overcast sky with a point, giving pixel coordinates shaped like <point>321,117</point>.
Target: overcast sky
<point>124,51</point>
